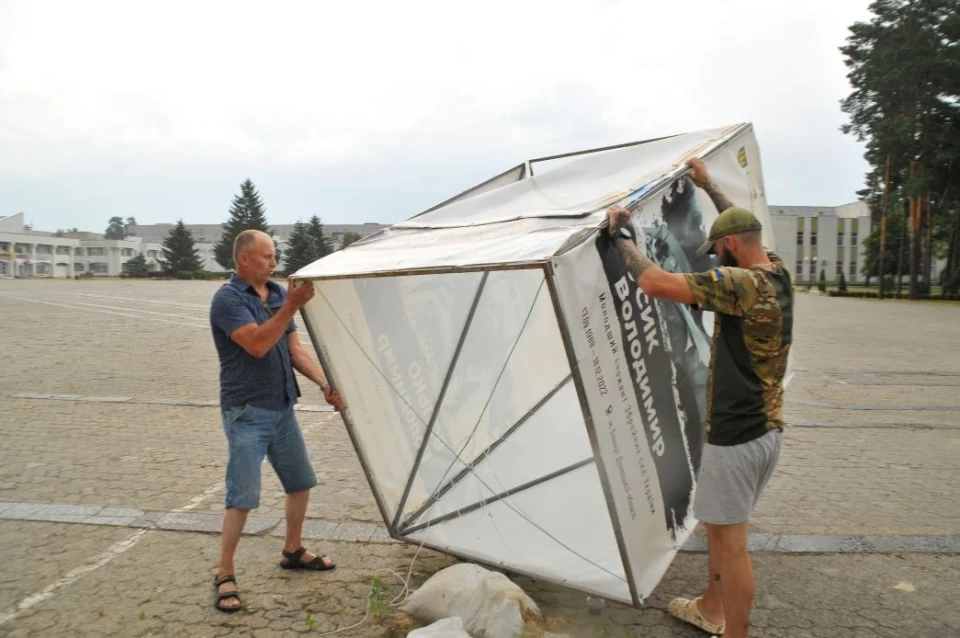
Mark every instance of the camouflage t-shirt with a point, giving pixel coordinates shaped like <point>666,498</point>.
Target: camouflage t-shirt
<point>752,333</point>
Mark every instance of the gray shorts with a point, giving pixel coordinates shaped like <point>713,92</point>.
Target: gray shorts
<point>732,477</point>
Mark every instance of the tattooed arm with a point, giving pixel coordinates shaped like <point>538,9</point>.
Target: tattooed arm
<point>653,280</point>
<point>700,177</point>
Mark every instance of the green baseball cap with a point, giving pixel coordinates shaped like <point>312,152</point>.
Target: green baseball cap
<point>730,222</point>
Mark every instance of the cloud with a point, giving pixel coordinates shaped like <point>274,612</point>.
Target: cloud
<point>395,105</point>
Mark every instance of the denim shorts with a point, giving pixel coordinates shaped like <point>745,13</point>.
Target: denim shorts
<point>254,433</point>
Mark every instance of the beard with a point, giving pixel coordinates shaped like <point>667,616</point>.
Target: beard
<point>728,260</point>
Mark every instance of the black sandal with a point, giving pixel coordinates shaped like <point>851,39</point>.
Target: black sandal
<point>292,561</point>
<point>219,597</point>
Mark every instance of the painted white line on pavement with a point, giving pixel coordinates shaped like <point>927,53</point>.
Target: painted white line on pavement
<point>198,500</point>
<point>112,552</point>
<point>47,592</point>
<point>106,312</point>
<point>165,304</point>
<point>139,311</point>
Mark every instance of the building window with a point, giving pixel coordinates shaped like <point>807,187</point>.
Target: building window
<point>839,269</point>
<point>853,239</point>
<point>799,268</point>
<point>853,267</point>
<point>127,252</point>
<point>800,238</point>
<point>77,267</point>
<point>839,239</point>
<point>813,238</point>
<point>99,268</point>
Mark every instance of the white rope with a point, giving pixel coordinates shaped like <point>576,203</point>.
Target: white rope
<point>405,593</point>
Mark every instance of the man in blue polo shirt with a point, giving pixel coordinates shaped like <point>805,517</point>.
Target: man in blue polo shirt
<point>256,338</point>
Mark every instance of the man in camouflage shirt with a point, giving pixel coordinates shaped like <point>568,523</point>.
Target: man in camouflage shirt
<point>752,297</point>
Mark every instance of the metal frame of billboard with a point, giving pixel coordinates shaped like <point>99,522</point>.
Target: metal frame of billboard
<point>400,531</point>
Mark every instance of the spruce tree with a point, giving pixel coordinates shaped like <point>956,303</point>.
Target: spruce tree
<point>246,213</point>
<point>301,248</point>
<point>822,284</point>
<point>315,229</point>
<point>137,267</point>
<point>179,254</point>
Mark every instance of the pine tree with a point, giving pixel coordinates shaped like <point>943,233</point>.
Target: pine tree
<point>301,248</point>
<point>843,283</point>
<point>315,230</point>
<point>115,229</point>
<point>905,76</point>
<point>247,213</point>
<point>822,284</point>
<point>871,245</point>
<point>179,254</point>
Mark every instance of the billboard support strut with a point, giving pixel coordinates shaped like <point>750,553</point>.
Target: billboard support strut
<point>449,485</point>
<point>347,419</point>
<point>499,497</point>
<point>588,422</point>
<point>439,402</point>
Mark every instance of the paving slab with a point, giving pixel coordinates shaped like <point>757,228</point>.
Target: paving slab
<point>823,485</point>
<point>870,473</point>
<point>35,555</point>
<point>846,595</point>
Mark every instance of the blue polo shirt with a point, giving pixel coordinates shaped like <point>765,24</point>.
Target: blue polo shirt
<point>244,379</point>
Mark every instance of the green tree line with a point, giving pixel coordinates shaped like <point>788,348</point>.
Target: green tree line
<point>904,68</point>
<point>306,244</point>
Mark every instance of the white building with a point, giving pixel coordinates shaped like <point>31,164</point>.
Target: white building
<point>31,253</point>
<point>808,239</point>
<point>814,238</point>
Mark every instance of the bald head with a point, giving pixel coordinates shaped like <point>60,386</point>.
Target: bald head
<point>248,240</point>
<point>255,256</point>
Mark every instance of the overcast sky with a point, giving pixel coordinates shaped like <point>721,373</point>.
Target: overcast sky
<point>372,111</point>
